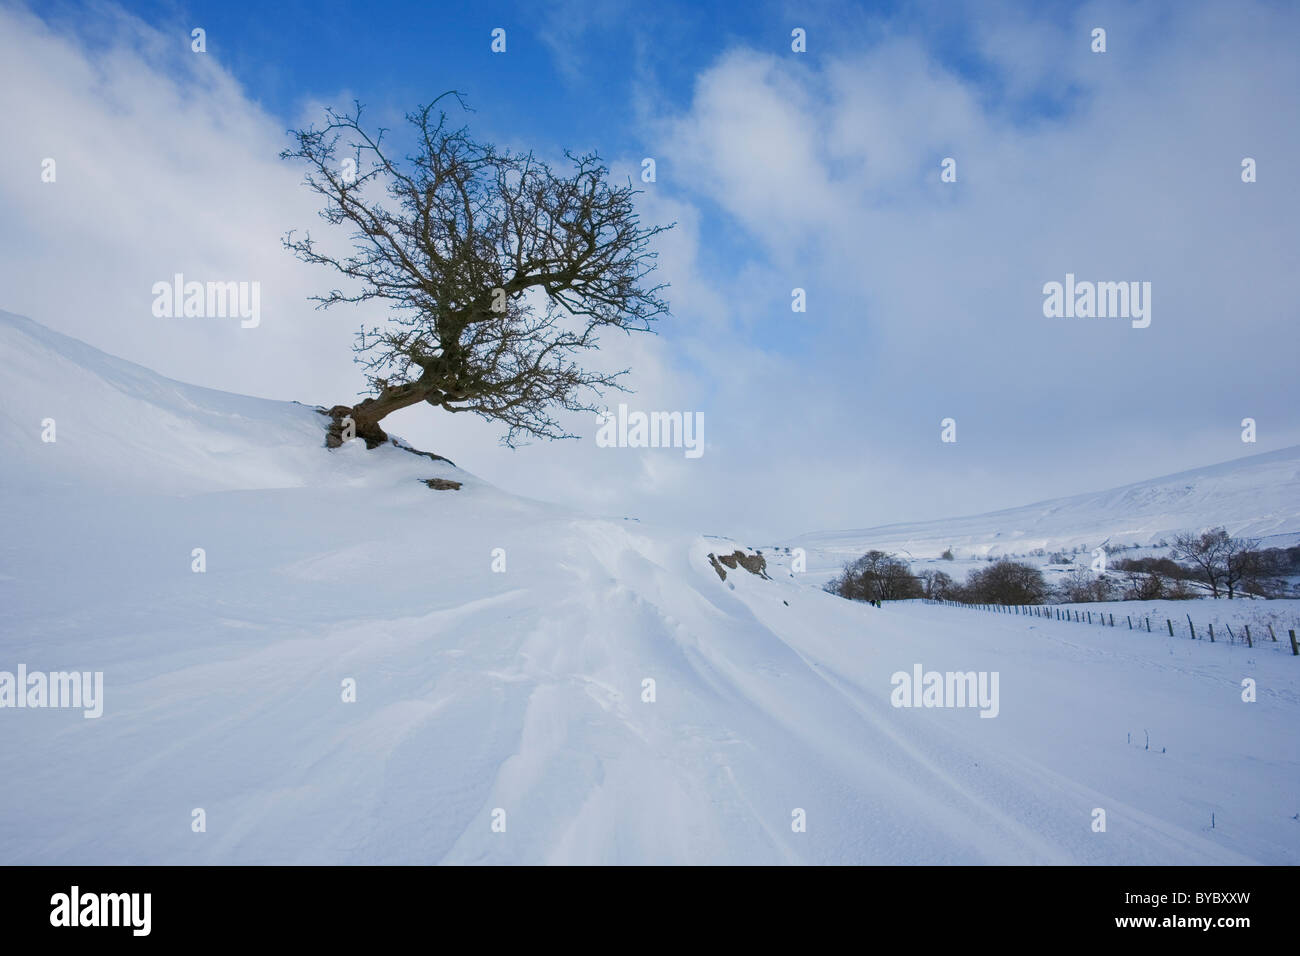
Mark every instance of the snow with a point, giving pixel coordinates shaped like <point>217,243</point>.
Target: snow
<point>1283,614</point>
<point>1256,496</point>
<point>523,690</point>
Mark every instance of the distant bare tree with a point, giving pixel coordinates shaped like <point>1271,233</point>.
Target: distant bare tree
<point>498,271</point>
<point>1083,585</point>
<point>1205,553</point>
<point>936,585</point>
<point>1240,559</point>
<point>1006,582</point>
<point>1222,561</point>
<point>876,576</point>
<point>1144,585</point>
<point>1264,572</point>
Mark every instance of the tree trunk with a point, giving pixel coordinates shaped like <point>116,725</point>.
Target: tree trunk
<point>366,415</point>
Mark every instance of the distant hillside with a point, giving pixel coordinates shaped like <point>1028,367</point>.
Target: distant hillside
<point>1258,496</point>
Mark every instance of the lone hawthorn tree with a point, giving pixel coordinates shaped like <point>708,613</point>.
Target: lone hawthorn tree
<point>498,271</point>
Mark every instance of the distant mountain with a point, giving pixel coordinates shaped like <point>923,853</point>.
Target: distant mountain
<point>1257,496</point>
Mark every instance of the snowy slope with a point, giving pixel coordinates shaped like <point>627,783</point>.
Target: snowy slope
<point>522,690</point>
<point>1257,496</point>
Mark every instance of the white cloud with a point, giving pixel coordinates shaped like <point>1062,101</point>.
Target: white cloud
<point>927,297</point>
<point>163,165</point>
<point>923,298</point>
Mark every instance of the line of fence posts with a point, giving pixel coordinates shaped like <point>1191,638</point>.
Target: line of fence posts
<point>1064,614</point>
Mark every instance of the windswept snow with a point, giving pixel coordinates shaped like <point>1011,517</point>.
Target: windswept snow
<point>523,690</point>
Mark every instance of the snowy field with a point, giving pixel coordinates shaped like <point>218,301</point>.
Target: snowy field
<point>520,696</point>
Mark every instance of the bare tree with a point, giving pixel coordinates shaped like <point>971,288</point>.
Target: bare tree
<point>1205,553</point>
<point>936,585</point>
<point>1264,572</point>
<point>1083,585</point>
<point>1223,561</point>
<point>1006,582</point>
<point>876,576</point>
<point>498,271</point>
<point>1240,560</point>
<point>1144,585</point>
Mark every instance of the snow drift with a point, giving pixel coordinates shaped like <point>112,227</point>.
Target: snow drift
<point>534,685</point>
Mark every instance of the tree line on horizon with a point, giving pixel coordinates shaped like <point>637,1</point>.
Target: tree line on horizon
<point>1210,562</point>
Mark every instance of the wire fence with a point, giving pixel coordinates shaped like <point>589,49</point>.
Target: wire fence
<point>1241,634</point>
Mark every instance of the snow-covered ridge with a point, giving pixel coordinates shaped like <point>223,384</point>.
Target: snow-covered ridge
<point>1255,496</point>
<point>125,429</point>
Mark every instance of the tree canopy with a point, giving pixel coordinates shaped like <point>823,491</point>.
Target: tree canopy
<point>498,271</point>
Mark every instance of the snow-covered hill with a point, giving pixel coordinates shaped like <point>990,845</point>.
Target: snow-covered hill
<point>1256,496</point>
<point>519,696</point>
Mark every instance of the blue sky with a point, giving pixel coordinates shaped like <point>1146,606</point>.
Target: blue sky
<point>571,69</point>
<point>818,171</point>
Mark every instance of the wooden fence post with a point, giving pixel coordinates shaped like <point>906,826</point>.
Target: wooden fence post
<point>1211,632</point>
<point>1171,626</point>
<point>1249,642</point>
<point>1295,651</point>
<point>1271,634</point>
<point>1130,622</point>
<point>1192,626</point>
